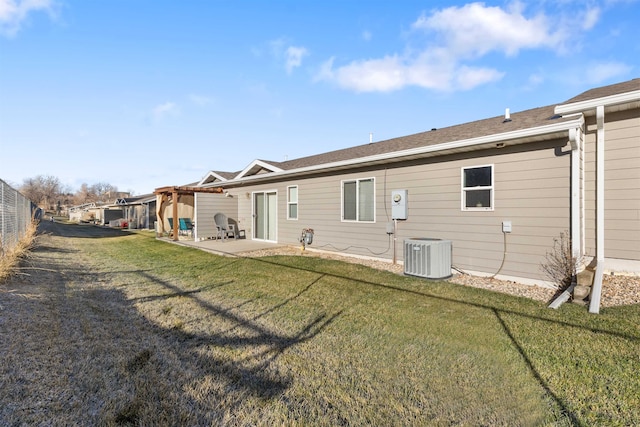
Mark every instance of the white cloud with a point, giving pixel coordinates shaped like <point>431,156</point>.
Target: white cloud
<point>535,80</point>
<point>294,57</point>
<point>382,75</point>
<point>470,77</point>
<point>431,70</point>
<point>166,109</point>
<point>591,17</point>
<point>474,29</point>
<point>456,37</point>
<point>597,73</point>
<point>13,13</point>
<point>200,100</point>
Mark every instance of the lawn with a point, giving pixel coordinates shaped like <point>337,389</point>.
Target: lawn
<point>184,337</point>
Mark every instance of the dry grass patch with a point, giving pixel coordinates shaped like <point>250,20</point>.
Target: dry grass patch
<point>10,258</point>
<point>133,331</point>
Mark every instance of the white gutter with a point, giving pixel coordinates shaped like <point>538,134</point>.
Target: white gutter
<point>596,290</point>
<point>578,107</point>
<point>430,149</point>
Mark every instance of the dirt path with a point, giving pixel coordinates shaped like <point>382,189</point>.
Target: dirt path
<point>73,349</point>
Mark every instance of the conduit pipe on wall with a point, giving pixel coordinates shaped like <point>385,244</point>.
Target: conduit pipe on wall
<point>596,290</point>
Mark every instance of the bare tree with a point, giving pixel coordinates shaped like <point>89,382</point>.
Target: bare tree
<point>43,190</point>
<point>48,193</point>
<point>103,191</point>
<point>84,195</point>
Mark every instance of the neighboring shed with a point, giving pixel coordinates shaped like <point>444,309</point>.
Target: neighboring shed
<point>139,211</point>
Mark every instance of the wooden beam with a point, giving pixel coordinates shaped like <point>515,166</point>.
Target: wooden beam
<point>174,202</point>
<point>188,190</point>
<point>161,203</point>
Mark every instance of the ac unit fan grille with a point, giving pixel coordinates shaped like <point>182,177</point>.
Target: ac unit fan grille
<point>429,258</point>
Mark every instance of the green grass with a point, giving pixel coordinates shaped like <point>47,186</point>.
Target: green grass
<point>309,341</point>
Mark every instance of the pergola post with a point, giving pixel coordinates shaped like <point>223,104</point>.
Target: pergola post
<point>174,205</point>
<point>161,200</point>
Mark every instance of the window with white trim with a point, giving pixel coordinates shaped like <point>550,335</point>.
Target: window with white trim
<point>292,202</point>
<point>477,188</point>
<point>358,200</point>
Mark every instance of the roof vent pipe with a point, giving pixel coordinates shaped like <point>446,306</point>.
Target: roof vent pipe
<point>507,116</point>
<point>370,137</point>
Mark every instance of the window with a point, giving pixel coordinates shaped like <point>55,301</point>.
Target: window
<point>477,188</point>
<point>358,201</point>
<point>292,202</point>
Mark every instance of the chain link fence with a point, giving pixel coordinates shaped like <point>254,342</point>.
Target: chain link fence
<point>16,212</point>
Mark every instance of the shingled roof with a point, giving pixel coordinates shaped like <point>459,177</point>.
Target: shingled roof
<point>494,126</point>
<point>601,92</point>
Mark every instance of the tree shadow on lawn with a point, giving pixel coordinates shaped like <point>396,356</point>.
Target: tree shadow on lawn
<point>255,380</point>
<point>239,377</point>
<point>426,294</point>
<point>146,349</point>
<point>126,369</point>
<point>79,230</point>
<point>497,311</point>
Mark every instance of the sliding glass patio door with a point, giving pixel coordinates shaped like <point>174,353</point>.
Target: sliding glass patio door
<point>265,216</point>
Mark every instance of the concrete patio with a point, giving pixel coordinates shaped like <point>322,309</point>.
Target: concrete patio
<point>227,247</point>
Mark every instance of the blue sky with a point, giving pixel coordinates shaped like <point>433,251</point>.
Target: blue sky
<point>143,94</point>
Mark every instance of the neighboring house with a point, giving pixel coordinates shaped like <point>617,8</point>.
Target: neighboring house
<point>139,211</point>
<point>83,213</point>
<point>500,189</point>
<point>136,212</point>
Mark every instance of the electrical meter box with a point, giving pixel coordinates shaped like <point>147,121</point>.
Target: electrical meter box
<point>399,207</point>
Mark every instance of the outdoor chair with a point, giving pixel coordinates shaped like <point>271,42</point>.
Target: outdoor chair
<point>223,226</point>
<point>170,226</point>
<point>186,226</point>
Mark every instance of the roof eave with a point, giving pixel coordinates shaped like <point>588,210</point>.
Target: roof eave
<point>257,164</point>
<point>630,98</point>
<point>517,137</point>
<point>208,175</point>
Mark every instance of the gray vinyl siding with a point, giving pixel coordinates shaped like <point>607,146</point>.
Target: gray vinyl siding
<point>205,209</point>
<point>207,205</point>
<point>531,190</point>
<point>621,187</point>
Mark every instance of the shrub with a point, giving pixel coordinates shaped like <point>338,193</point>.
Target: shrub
<point>560,266</point>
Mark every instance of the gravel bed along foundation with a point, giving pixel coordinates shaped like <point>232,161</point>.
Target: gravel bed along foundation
<point>616,289</point>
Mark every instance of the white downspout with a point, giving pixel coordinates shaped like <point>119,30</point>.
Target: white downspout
<point>576,235</point>
<point>596,290</point>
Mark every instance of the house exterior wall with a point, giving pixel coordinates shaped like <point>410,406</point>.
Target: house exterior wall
<point>531,189</point>
<point>621,185</point>
<point>207,205</point>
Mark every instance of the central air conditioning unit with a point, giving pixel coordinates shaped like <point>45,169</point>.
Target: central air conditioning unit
<point>428,258</point>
